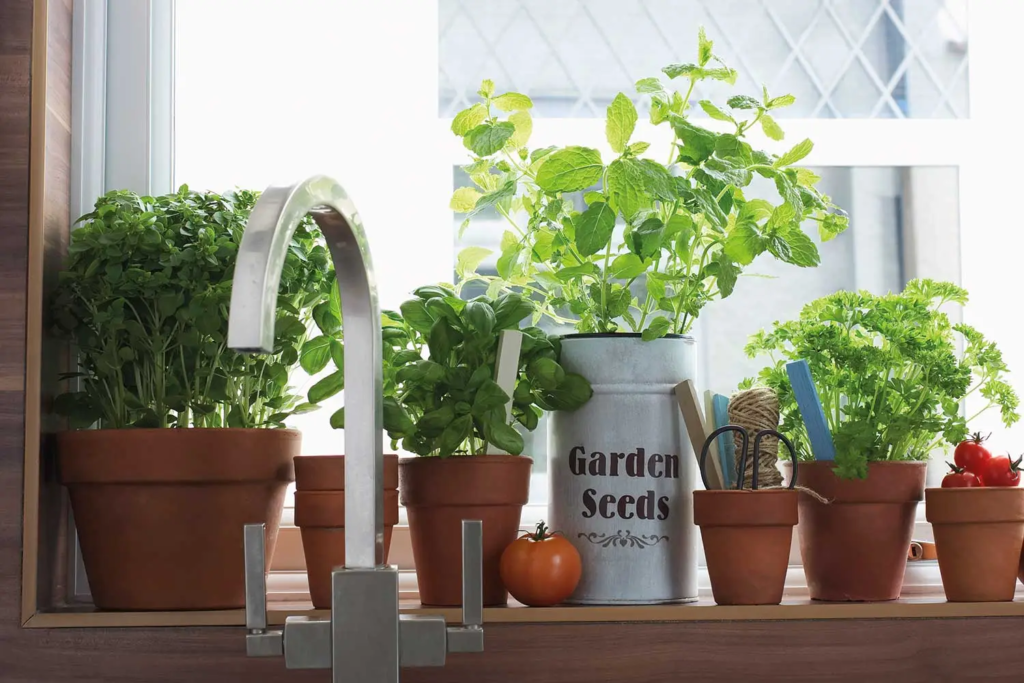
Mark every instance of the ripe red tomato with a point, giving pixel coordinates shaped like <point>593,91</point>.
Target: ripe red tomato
<point>960,478</point>
<point>541,569</point>
<point>971,455</point>
<point>1001,471</point>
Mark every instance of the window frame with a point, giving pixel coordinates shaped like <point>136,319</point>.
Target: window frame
<point>123,114</point>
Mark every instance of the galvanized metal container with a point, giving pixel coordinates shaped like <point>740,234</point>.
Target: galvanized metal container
<point>622,471</point>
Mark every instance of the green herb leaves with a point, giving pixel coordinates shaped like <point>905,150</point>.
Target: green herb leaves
<point>449,403</point>
<point>570,170</point>
<point>652,243</point>
<point>888,372</point>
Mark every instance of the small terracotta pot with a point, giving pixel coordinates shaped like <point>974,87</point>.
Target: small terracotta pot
<point>327,472</point>
<point>160,512</point>
<point>438,494</point>
<point>320,516</point>
<point>978,537</point>
<point>746,536</point>
<point>855,547</point>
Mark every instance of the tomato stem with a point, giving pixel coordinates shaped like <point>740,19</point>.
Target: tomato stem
<point>541,533</point>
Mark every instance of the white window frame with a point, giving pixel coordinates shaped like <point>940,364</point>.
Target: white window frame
<point>124,128</point>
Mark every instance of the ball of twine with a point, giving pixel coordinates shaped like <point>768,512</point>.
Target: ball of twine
<point>754,410</point>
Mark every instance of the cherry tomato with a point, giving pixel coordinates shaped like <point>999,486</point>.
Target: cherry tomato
<point>960,478</point>
<point>541,569</point>
<point>971,455</point>
<point>1001,471</point>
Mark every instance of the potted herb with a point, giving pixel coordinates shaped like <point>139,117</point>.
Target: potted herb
<point>629,250</point>
<point>891,383</point>
<point>189,442</point>
<point>448,409</point>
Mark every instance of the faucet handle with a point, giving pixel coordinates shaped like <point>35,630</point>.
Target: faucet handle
<point>259,642</point>
<point>469,637</point>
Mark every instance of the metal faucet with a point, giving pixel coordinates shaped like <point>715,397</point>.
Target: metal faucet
<point>365,640</point>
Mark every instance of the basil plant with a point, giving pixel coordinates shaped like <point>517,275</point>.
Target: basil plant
<point>688,228</point>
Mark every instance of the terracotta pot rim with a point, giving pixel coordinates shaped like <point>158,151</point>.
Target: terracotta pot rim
<point>486,459</point>
<point>192,457</point>
<point>761,508</point>
<point>488,481</point>
<point>102,433</point>
<point>327,472</point>
<point>975,505</point>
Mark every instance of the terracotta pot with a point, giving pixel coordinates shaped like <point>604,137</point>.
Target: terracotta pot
<point>327,472</point>
<point>855,548</point>
<point>160,512</point>
<point>746,536</point>
<point>438,494</point>
<point>978,537</point>
<point>320,516</point>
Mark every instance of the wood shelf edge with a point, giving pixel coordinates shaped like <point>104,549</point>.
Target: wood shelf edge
<point>703,611</point>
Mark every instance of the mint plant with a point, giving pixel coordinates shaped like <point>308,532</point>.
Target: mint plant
<point>887,371</point>
<point>144,297</point>
<point>688,229</point>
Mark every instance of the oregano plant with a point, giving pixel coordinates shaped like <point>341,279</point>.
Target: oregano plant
<point>648,244</point>
<point>144,297</point>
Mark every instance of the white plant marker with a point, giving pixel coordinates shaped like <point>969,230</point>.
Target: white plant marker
<point>696,428</point>
<point>506,369</point>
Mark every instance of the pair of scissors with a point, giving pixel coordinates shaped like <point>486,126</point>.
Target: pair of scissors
<point>745,436</point>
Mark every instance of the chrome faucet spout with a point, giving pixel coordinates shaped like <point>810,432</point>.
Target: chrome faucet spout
<point>253,313</point>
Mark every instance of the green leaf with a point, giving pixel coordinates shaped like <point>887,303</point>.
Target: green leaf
<point>731,147</point>
<point>442,339</point>
<point>743,244</point>
<point>677,70</point>
<point>782,101</point>
<point>637,148</point>
<point>512,101</point>
<point>510,309</point>
<point>723,74</point>
<point>831,226</point>
<point>416,315</point>
<point>743,102</point>
<point>486,88</point>
<point>504,191</point>
<point>338,418</point>
<point>771,128</point>
<point>703,47</point>
<point>570,170</point>
<point>524,128</point>
<point>799,151</point>
<point>645,240</point>
<point>626,267</point>
<point>468,119</point>
<point>620,123</point>
<point>425,372</point>
<point>658,328</point>
<point>578,272</point>
<point>326,387</point>
<point>657,181</point>
<point>480,316</point>
<point>464,200</point>
<point>698,143</point>
<point>625,187</point>
<point>546,373</point>
<point>396,420</point>
<point>488,397</point>
<point>488,138</point>
<point>592,197</point>
<point>714,112</point>
<point>726,275</point>
<point>802,250</point>
<point>338,354</point>
<point>649,86</point>
<point>503,436</point>
<point>594,228</point>
<point>469,259</point>
<point>315,354</point>
<point>434,422</point>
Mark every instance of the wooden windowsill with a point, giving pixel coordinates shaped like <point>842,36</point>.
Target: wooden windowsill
<point>920,607</point>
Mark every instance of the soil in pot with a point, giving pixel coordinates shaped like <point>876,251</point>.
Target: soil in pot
<point>160,512</point>
<point>854,548</point>
<point>438,494</point>
<point>978,537</point>
<point>747,537</point>
<point>320,515</point>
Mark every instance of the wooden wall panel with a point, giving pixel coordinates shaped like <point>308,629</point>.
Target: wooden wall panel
<point>834,651</point>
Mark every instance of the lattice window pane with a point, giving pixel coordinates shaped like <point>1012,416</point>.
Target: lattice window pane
<point>841,58</point>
